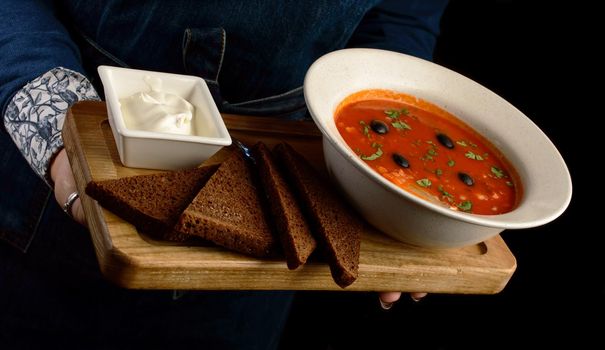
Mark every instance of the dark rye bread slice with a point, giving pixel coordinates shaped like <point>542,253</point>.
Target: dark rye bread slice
<point>228,211</point>
<point>332,220</point>
<point>153,203</point>
<point>289,222</point>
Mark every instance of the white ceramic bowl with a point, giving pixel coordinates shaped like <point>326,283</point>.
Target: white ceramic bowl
<point>157,150</point>
<point>406,217</point>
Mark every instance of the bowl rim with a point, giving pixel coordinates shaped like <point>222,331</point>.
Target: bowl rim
<point>112,101</point>
<point>510,220</point>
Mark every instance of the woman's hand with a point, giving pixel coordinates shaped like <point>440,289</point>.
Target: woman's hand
<point>62,176</point>
<point>387,299</point>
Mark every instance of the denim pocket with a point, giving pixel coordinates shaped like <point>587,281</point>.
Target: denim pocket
<point>203,53</point>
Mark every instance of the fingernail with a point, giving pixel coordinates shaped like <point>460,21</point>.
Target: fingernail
<point>384,305</point>
<point>415,299</point>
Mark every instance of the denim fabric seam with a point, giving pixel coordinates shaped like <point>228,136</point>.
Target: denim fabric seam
<point>185,49</point>
<point>48,197</point>
<point>101,50</point>
<point>186,41</point>
<point>269,98</point>
<point>4,109</point>
<point>223,44</point>
<point>289,114</point>
<point>212,82</point>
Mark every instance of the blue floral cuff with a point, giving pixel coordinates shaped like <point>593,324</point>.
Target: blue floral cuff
<point>35,115</point>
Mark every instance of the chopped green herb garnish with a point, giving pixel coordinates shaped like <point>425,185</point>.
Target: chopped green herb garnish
<point>471,155</point>
<point>424,182</point>
<point>366,128</point>
<point>391,113</point>
<point>510,184</point>
<point>401,125</point>
<point>438,172</point>
<point>472,144</point>
<point>430,154</point>
<point>405,111</point>
<point>451,162</point>
<point>373,156</point>
<point>466,206</point>
<point>444,192</point>
<point>498,172</point>
<point>461,143</point>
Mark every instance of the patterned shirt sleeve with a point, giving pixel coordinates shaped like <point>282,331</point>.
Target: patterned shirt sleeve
<point>35,115</point>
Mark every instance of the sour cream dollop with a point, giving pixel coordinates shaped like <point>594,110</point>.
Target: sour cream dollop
<point>158,111</point>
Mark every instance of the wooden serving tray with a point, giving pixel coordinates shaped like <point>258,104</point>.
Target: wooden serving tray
<point>133,260</point>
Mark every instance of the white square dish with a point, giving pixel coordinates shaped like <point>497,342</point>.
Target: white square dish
<point>162,150</point>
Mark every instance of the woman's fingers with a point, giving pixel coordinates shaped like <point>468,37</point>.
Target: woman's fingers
<point>387,299</point>
<point>417,296</point>
<point>78,212</point>
<point>65,185</point>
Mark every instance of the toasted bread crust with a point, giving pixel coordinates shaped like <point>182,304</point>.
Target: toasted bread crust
<point>153,203</point>
<point>228,211</point>
<point>290,224</point>
<point>332,220</point>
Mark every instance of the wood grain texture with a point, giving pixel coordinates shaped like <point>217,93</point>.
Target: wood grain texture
<point>133,260</point>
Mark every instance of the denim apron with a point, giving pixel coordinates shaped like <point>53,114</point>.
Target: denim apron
<point>253,56</point>
<point>259,76</point>
<point>262,76</point>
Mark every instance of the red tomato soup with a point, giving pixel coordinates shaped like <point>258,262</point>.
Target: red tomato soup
<point>427,151</point>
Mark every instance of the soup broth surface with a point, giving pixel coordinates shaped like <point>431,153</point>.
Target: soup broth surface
<point>425,150</point>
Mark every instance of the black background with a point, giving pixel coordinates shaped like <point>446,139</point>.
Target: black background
<point>541,58</point>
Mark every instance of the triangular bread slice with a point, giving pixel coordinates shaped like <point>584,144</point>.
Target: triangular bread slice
<point>228,211</point>
<point>290,224</point>
<point>153,203</point>
<point>333,222</point>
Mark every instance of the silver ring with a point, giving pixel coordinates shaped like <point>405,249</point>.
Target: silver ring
<point>69,203</point>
